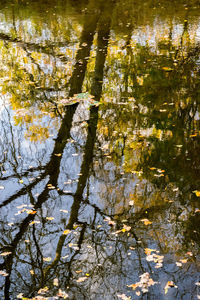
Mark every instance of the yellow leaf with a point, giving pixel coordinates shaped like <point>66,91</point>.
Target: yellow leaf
<point>183,261</point>
<point>31,212</point>
<point>5,253</point>
<point>146,221</point>
<point>167,69</point>
<point>58,154</point>
<point>197,193</point>
<point>46,258</point>
<point>148,251</point>
<point>67,231</point>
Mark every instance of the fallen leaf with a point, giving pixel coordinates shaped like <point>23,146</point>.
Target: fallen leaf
<point>67,231</point>
<point>197,193</point>
<point>50,218</point>
<point>3,273</point>
<point>146,221</point>
<point>133,286</point>
<point>168,285</point>
<point>123,297</point>
<point>31,212</point>
<point>58,154</point>
<point>148,251</point>
<point>43,290</point>
<point>5,253</point>
<point>183,260</point>
<point>81,279</point>
<point>62,294</point>
<point>64,211</point>
<point>55,281</point>
<point>46,258</point>
<point>34,222</point>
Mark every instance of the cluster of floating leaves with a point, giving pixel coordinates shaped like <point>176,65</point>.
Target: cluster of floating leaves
<point>145,282</point>
<point>158,259</point>
<point>77,98</point>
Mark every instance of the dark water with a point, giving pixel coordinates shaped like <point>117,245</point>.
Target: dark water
<point>100,149</point>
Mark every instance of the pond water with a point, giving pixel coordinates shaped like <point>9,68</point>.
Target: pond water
<point>100,149</point>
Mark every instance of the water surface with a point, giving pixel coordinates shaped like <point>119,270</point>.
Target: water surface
<point>100,144</point>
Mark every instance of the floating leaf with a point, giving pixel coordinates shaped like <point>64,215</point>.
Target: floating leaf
<point>183,260</point>
<point>133,286</point>
<point>81,279</point>
<point>67,231</point>
<point>2,187</point>
<point>50,218</point>
<point>19,296</point>
<point>46,258</point>
<point>64,211</point>
<point>3,273</point>
<point>197,193</point>
<point>58,154</point>
<point>62,294</point>
<point>146,221</point>
<point>55,281</point>
<point>31,212</point>
<point>168,69</point>
<point>34,222</point>
<point>5,253</point>
<point>123,297</point>
<point>43,290</point>
<point>148,251</point>
<point>168,285</point>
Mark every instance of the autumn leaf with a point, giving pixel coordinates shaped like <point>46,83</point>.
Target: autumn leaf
<point>123,297</point>
<point>81,279</point>
<point>133,286</point>
<point>168,285</point>
<point>50,218</point>
<point>58,154</point>
<point>146,221</point>
<point>148,251</point>
<point>55,282</point>
<point>67,231</point>
<point>2,273</point>
<point>31,212</point>
<point>5,253</point>
<point>197,193</point>
<point>167,69</point>
<point>43,290</point>
<point>34,222</point>
<point>46,258</point>
<point>183,260</point>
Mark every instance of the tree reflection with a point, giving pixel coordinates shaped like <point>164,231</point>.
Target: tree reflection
<point>116,183</point>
